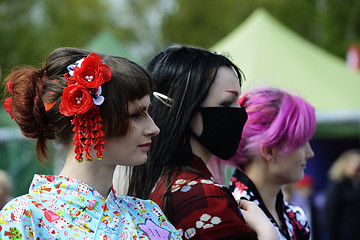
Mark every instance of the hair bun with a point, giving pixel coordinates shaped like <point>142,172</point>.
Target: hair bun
<point>28,108</point>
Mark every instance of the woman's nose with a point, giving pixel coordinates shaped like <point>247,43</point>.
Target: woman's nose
<point>309,152</point>
<point>152,130</point>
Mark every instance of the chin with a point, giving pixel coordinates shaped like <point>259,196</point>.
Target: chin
<point>300,176</point>
<point>140,161</point>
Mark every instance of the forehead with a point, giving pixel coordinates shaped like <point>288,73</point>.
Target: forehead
<point>140,103</point>
<point>225,78</point>
<point>226,81</point>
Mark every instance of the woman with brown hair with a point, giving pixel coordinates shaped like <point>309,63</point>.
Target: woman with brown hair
<point>95,105</point>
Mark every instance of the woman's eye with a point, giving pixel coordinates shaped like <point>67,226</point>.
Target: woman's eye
<point>135,115</point>
<point>227,103</point>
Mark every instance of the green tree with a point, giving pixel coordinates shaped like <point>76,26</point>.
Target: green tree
<point>30,29</point>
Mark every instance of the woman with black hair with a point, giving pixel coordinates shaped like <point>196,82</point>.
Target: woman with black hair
<point>195,104</point>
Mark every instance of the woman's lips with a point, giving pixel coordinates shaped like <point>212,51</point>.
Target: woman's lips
<point>146,146</point>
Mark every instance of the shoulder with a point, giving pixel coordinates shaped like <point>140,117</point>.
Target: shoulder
<point>21,202</point>
<point>204,209</point>
<point>296,213</point>
<point>196,185</point>
<point>137,203</point>
<point>16,217</point>
<point>202,195</point>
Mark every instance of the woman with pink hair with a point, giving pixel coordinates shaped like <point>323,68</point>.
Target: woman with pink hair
<point>272,153</point>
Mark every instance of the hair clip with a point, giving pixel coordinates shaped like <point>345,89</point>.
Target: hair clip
<point>163,98</point>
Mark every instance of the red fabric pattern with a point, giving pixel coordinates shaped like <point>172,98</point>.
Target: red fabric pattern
<point>202,209</point>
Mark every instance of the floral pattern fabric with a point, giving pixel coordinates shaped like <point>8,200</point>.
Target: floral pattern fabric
<point>294,224</point>
<point>59,207</point>
<point>201,208</point>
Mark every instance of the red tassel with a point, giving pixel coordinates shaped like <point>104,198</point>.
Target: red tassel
<point>78,149</point>
<point>75,121</point>
<point>77,142</point>
<point>78,158</point>
<point>101,132</point>
<point>100,140</point>
<point>87,142</point>
<point>86,148</point>
<point>88,157</point>
<point>76,128</point>
<point>99,155</point>
<point>97,126</point>
<point>99,147</point>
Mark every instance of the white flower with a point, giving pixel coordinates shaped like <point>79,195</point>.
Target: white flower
<point>71,67</point>
<point>98,100</point>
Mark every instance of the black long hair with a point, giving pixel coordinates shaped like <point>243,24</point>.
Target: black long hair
<point>184,74</point>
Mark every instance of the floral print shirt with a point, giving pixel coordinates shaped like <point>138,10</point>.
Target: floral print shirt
<point>201,208</point>
<point>294,224</point>
<point>59,207</point>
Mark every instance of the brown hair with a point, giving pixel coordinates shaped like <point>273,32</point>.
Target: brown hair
<point>32,87</point>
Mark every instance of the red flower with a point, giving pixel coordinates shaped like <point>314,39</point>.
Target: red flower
<point>76,99</point>
<point>92,72</point>
<point>8,101</point>
<point>240,186</point>
<point>8,106</point>
<point>10,86</point>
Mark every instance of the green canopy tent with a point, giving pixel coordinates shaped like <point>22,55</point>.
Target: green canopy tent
<point>270,54</point>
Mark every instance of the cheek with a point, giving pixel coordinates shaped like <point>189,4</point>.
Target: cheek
<point>288,167</point>
<point>196,124</point>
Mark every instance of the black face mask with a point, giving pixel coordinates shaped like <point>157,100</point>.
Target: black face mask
<point>222,129</point>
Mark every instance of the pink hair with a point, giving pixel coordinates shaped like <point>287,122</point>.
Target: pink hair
<point>275,119</point>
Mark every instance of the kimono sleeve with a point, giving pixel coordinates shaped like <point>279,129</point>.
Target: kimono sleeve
<point>15,222</point>
<point>154,223</point>
<point>208,211</point>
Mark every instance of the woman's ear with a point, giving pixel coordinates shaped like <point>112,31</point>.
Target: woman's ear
<point>268,153</point>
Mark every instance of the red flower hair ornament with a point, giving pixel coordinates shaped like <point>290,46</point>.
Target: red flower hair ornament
<point>8,101</point>
<point>81,99</point>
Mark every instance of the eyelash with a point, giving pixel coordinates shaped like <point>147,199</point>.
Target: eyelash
<point>138,115</point>
<point>135,115</point>
<point>227,103</point>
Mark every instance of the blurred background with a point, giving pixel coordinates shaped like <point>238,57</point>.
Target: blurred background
<point>306,46</point>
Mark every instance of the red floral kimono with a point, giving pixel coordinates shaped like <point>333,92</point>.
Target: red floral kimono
<point>201,208</point>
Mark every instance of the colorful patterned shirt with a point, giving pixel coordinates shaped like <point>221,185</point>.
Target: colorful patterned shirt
<point>202,209</point>
<point>59,207</point>
<point>294,224</point>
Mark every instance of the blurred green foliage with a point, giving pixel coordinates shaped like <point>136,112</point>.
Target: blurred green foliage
<point>330,24</point>
<point>31,29</point>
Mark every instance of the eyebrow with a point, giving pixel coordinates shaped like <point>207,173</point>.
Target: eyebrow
<point>233,92</point>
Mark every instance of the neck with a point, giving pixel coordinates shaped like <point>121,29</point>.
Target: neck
<point>96,173</point>
<point>199,150</point>
<point>256,170</point>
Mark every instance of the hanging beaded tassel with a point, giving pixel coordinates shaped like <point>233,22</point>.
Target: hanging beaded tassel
<point>98,127</point>
<point>88,130</point>
<point>77,122</point>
